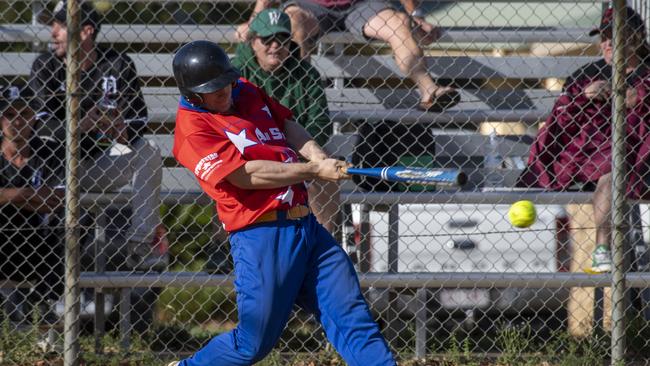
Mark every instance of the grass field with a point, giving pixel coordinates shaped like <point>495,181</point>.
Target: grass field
<point>516,348</point>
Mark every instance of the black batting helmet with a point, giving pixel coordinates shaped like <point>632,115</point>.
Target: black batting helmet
<point>202,67</point>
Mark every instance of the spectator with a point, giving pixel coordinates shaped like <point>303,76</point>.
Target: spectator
<point>29,172</point>
<point>404,33</point>
<point>574,147</point>
<point>270,60</point>
<point>114,150</point>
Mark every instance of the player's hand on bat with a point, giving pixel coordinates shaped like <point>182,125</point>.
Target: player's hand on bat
<point>599,90</point>
<point>332,170</point>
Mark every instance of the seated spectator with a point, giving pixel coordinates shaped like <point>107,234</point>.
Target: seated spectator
<point>270,60</point>
<point>574,148</point>
<point>404,33</point>
<point>114,115</point>
<point>30,170</point>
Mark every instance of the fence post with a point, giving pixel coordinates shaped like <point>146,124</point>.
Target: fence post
<point>619,206</point>
<point>72,303</point>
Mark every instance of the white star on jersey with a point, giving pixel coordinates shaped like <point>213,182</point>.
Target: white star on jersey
<point>240,141</point>
<point>286,197</point>
<point>266,109</point>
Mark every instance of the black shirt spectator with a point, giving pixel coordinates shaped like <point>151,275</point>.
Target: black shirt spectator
<point>112,119</point>
<point>30,169</point>
<point>111,78</point>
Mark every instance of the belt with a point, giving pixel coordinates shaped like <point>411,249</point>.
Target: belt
<point>294,213</point>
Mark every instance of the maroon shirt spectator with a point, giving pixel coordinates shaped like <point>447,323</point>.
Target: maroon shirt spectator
<point>574,147</point>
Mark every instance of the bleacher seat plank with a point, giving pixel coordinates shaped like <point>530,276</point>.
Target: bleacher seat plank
<point>166,98</point>
<point>367,67</point>
<point>450,118</point>
<point>182,33</point>
<point>474,145</point>
<point>178,187</point>
<point>349,103</point>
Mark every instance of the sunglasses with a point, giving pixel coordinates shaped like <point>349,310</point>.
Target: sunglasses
<point>281,39</point>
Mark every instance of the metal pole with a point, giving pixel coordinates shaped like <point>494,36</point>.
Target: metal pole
<point>393,328</point>
<point>619,205</point>
<point>72,270</point>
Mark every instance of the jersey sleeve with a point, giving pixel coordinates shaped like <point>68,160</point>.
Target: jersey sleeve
<point>210,156</point>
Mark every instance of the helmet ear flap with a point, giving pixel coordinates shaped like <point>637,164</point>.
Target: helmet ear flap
<point>194,99</point>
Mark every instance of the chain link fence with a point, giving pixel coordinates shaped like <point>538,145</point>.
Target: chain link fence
<point>449,279</point>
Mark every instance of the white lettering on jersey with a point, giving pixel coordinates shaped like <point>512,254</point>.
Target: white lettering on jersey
<point>286,197</point>
<point>260,135</point>
<point>292,157</point>
<point>207,165</point>
<point>276,133</point>
<point>274,17</point>
<point>240,140</point>
<point>14,93</point>
<point>267,110</point>
<point>109,85</point>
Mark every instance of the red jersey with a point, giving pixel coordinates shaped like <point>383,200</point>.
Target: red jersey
<point>214,145</point>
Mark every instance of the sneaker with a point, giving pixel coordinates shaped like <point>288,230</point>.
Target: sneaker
<point>174,363</point>
<point>152,256</point>
<point>50,342</point>
<point>601,259</point>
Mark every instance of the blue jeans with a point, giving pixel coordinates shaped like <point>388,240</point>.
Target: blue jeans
<point>284,262</point>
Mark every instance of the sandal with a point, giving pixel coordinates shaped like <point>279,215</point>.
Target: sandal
<point>440,102</point>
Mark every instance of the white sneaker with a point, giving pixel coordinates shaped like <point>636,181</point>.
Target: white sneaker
<point>174,363</point>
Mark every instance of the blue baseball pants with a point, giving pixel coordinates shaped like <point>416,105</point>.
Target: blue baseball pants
<point>284,262</point>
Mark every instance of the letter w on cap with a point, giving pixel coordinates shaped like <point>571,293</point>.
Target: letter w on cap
<point>274,17</point>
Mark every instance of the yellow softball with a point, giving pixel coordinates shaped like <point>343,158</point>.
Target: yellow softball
<point>522,214</point>
<point>103,6</point>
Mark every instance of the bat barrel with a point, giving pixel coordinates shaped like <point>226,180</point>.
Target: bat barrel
<point>439,177</point>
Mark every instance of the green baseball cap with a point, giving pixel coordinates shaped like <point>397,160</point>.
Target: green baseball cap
<point>271,21</point>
